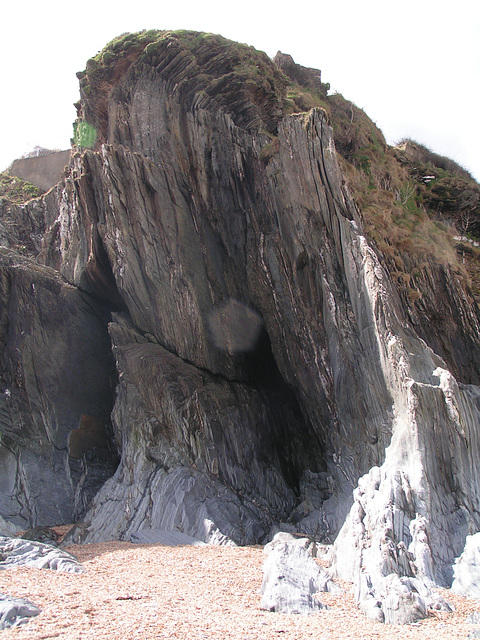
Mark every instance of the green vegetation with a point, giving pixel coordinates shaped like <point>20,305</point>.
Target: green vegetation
<point>299,99</point>
<point>202,66</point>
<point>84,134</point>
<point>414,203</point>
<point>423,156</point>
<point>122,45</point>
<point>269,150</point>
<point>447,189</point>
<point>206,50</point>
<point>17,191</point>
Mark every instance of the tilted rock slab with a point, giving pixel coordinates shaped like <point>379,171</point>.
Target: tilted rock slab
<point>55,375</point>
<point>16,552</point>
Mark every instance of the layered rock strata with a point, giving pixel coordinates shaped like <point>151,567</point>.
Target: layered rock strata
<point>16,552</point>
<point>56,375</point>
<point>268,371</point>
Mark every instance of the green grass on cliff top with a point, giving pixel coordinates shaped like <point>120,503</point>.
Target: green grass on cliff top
<point>247,58</point>
<point>17,191</point>
<point>409,218</point>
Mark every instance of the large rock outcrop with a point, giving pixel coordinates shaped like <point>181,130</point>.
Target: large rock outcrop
<point>269,370</point>
<point>56,374</point>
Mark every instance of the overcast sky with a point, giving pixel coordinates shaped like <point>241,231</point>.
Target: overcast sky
<point>414,66</point>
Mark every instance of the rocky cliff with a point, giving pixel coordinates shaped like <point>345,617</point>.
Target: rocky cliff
<point>208,300</point>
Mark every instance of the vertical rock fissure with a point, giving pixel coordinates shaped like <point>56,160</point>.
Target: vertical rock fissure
<point>297,444</point>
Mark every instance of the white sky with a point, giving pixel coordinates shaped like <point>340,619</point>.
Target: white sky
<point>413,66</point>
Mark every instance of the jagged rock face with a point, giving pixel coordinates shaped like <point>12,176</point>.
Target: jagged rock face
<point>304,76</point>
<point>280,253</point>
<point>55,370</point>
<point>194,207</point>
<point>266,365</point>
<point>201,71</point>
<point>197,448</point>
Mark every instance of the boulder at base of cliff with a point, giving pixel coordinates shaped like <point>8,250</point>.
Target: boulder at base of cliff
<point>15,552</point>
<point>292,577</point>
<point>466,569</point>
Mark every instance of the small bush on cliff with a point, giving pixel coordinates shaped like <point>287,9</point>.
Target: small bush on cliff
<point>420,155</point>
<point>447,189</point>
<point>17,191</point>
<point>269,150</point>
<point>300,99</point>
<point>84,134</point>
<point>412,203</point>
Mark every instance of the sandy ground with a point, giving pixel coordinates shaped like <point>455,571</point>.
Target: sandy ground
<point>152,591</point>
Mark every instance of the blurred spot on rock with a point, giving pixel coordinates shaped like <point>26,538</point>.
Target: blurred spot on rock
<point>235,326</point>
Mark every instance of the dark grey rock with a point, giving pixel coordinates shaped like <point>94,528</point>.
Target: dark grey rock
<point>337,352</point>
<point>201,454</point>
<point>15,611</point>
<point>7,528</point>
<point>15,552</point>
<point>167,538</point>
<point>56,373</point>
<point>287,418</point>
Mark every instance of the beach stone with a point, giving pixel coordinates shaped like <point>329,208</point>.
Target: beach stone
<point>15,611</point>
<point>16,552</point>
<point>473,618</point>
<point>402,603</point>
<point>291,577</point>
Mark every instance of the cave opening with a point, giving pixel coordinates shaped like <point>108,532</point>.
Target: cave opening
<point>291,441</point>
